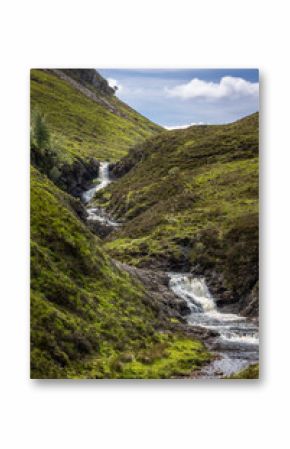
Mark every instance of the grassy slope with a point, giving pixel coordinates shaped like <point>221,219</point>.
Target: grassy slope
<point>81,127</point>
<point>193,200</point>
<point>251,372</point>
<point>88,318</point>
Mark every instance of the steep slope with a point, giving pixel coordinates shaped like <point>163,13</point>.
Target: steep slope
<point>86,122</point>
<point>190,202</point>
<point>89,317</point>
<point>102,126</point>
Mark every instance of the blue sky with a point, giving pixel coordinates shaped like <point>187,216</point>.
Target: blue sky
<point>180,97</point>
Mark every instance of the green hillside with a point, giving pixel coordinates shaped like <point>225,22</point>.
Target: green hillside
<point>188,201</point>
<point>101,127</point>
<point>89,319</point>
<point>191,202</point>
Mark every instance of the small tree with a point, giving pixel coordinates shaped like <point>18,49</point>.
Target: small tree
<point>41,132</point>
<point>54,173</point>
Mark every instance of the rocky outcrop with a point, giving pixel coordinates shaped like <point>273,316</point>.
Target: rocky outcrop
<point>90,78</point>
<point>123,166</point>
<point>77,177</point>
<point>249,305</point>
<point>73,178</point>
<point>90,84</point>
<point>171,309</point>
<point>100,229</point>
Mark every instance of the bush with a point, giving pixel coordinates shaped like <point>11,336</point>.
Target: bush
<point>40,131</point>
<point>54,173</point>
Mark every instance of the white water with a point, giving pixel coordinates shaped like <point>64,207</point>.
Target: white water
<point>104,181</point>
<point>237,342</point>
<point>98,214</point>
<point>95,213</point>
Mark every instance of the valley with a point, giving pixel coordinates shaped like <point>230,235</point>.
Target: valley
<point>144,242</point>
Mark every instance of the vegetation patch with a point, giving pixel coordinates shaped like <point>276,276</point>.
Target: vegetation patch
<point>170,357</point>
<point>252,372</point>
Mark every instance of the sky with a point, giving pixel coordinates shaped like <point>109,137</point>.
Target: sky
<point>176,98</point>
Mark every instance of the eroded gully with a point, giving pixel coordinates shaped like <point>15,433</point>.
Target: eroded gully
<point>236,344</point>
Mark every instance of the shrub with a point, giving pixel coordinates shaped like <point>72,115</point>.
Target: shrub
<point>40,131</point>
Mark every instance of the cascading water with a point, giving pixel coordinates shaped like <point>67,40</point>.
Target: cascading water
<point>104,180</point>
<point>237,343</point>
<point>94,213</point>
<point>194,291</point>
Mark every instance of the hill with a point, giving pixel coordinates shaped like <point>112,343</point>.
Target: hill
<point>85,117</point>
<point>89,317</point>
<point>86,123</point>
<point>189,201</point>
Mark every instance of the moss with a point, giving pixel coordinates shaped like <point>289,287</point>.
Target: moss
<point>251,372</point>
<point>86,314</point>
<point>177,357</point>
<point>171,356</point>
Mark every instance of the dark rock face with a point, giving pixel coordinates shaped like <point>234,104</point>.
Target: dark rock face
<point>77,177</point>
<point>168,306</point>
<point>91,77</point>
<point>100,229</point>
<point>123,166</point>
<point>73,178</point>
<point>250,304</point>
<point>91,84</point>
<point>229,299</point>
<point>242,301</point>
<point>156,283</point>
<point>78,208</point>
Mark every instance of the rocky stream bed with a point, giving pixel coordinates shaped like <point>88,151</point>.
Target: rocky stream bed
<point>233,339</point>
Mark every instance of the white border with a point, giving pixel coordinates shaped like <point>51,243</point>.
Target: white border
<point>165,414</point>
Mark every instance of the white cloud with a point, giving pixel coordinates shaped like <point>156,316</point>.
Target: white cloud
<point>170,128</point>
<point>114,83</point>
<point>229,86</point>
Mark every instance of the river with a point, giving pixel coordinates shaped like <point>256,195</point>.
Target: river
<point>237,343</point>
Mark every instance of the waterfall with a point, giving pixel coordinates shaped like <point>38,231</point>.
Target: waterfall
<point>194,291</point>
<point>97,214</point>
<point>236,338</point>
<point>104,180</point>
<point>104,172</point>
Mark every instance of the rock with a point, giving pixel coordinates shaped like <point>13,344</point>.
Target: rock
<point>122,167</point>
<point>126,358</point>
<point>158,294</point>
<point>78,208</point>
<point>100,229</point>
<point>145,360</point>
<point>249,305</point>
<point>90,77</point>
<point>77,177</point>
<point>73,178</point>
<point>179,305</point>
